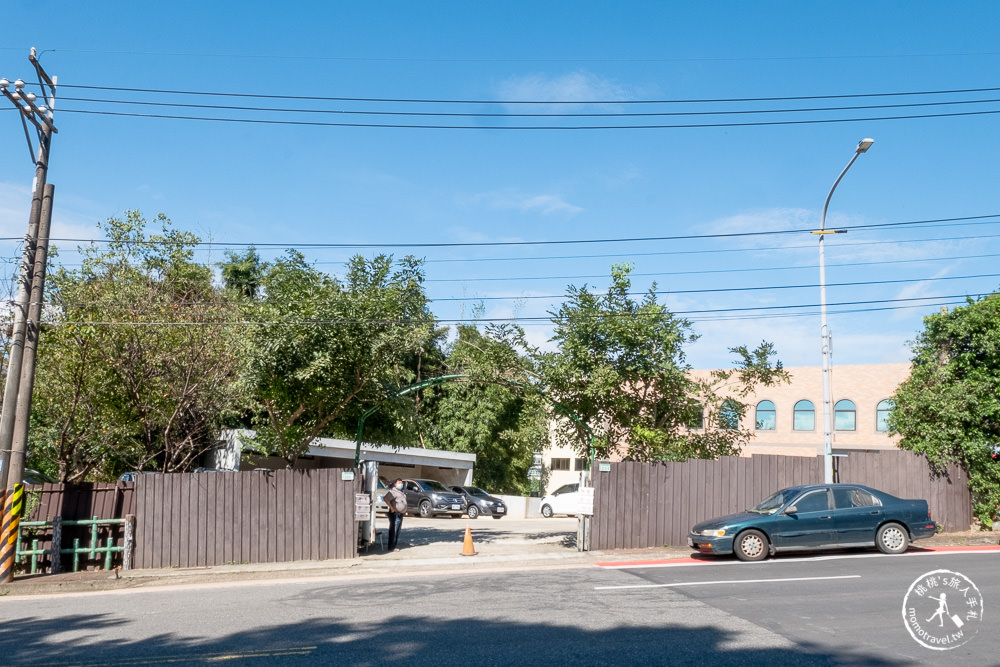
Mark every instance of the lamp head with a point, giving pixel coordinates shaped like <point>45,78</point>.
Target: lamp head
<point>864,145</point>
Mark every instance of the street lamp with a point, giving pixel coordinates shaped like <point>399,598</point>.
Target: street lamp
<point>863,146</point>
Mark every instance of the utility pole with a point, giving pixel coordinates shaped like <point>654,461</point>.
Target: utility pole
<point>25,323</point>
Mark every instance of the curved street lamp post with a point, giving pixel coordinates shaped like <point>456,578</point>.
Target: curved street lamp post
<point>863,146</point>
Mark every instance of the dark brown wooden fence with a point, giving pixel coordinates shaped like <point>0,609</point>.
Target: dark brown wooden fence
<point>189,520</point>
<point>655,504</point>
<point>78,501</point>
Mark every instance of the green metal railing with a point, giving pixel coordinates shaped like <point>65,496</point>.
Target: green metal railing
<point>91,551</point>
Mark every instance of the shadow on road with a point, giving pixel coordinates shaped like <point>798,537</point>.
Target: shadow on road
<point>403,639</point>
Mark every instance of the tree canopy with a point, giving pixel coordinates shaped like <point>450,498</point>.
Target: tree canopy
<point>134,366</point>
<point>949,408</point>
<point>147,353</point>
<point>620,365</point>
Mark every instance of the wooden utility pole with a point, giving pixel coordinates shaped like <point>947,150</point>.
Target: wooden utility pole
<point>40,117</point>
<point>26,311</point>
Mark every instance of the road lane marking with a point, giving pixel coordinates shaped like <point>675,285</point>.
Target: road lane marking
<point>725,581</point>
<point>689,562</point>
<point>203,657</point>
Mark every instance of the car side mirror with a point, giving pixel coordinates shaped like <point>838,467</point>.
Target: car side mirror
<point>792,509</point>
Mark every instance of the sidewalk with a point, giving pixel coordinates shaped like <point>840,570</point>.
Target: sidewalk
<point>433,550</point>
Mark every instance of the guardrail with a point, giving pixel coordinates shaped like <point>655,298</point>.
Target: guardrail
<point>91,551</point>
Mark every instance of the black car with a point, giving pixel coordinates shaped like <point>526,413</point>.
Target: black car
<point>480,502</point>
<point>429,497</point>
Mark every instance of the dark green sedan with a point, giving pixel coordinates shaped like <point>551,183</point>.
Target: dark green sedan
<point>816,516</point>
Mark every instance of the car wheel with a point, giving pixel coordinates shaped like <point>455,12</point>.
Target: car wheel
<point>546,511</point>
<point>751,545</point>
<point>892,539</point>
<point>473,512</point>
<point>425,508</point>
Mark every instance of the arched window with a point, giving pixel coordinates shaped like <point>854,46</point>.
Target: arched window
<point>766,418</point>
<point>729,415</point>
<point>882,411</point>
<point>804,416</point>
<point>845,415</point>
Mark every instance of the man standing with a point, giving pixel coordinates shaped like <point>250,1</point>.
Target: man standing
<point>396,500</point>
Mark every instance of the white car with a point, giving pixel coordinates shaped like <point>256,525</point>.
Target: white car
<point>564,500</point>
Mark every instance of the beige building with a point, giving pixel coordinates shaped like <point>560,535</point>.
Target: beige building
<point>788,419</point>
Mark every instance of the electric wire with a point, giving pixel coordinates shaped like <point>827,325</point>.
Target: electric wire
<point>729,290</point>
<point>467,114</point>
<point>752,312</point>
<point>509,128</point>
<point>206,93</point>
<point>953,222</point>
<point>761,269</point>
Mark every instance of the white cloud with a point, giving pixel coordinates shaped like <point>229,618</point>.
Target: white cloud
<point>573,88</point>
<point>514,200</point>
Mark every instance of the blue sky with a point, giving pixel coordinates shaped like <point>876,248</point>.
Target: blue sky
<point>285,184</point>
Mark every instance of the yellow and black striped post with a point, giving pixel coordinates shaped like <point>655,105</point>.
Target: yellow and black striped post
<point>12,505</point>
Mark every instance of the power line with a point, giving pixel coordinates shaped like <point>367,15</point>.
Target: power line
<point>862,283</point>
<point>710,271</point>
<point>416,126</point>
<point>206,93</point>
<point>964,220</point>
<point>455,114</point>
<point>544,319</point>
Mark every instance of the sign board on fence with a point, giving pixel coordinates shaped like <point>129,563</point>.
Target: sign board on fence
<point>586,500</point>
<point>603,467</point>
<point>346,475</point>
<point>362,506</point>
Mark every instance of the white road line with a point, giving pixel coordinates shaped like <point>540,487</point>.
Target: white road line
<point>724,581</point>
<point>800,559</point>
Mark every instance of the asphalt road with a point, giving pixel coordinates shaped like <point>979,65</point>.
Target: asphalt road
<point>824,610</point>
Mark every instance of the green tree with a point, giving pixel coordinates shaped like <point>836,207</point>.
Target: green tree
<point>620,365</point>
<point>243,272</point>
<point>324,347</point>
<point>134,367</point>
<point>949,407</point>
<point>497,415</point>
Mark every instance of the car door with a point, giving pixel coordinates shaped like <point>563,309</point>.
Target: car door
<point>566,499</point>
<point>414,494</point>
<point>809,526</point>
<point>856,515</point>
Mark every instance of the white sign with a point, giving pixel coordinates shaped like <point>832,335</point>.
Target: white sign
<point>362,506</point>
<point>586,500</point>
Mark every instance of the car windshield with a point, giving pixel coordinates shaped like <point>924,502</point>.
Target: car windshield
<point>476,491</point>
<point>431,485</point>
<point>772,503</point>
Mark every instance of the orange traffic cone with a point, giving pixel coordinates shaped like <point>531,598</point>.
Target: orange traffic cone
<point>467,548</point>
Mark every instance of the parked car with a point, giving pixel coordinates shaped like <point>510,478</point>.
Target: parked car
<point>816,516</point>
<point>564,500</point>
<point>36,477</point>
<point>381,507</point>
<point>479,502</point>
<point>429,497</point>
<point>134,474</point>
